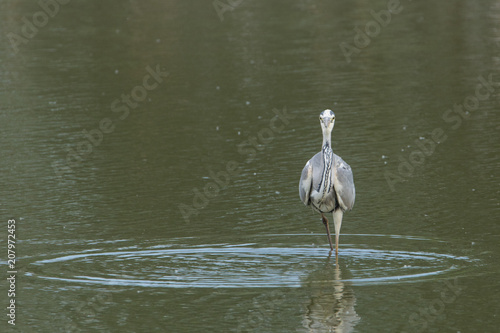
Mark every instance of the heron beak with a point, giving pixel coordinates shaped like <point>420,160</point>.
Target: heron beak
<point>326,121</point>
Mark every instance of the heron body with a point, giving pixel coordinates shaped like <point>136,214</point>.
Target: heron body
<point>326,183</point>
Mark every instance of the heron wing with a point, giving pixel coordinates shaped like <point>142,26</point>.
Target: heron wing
<point>310,178</point>
<point>343,183</point>
<point>305,183</point>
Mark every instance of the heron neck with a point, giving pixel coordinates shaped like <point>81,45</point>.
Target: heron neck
<point>327,139</point>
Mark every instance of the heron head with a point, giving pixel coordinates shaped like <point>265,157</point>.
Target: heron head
<point>327,120</point>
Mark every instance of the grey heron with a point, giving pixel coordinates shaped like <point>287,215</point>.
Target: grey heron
<point>326,183</point>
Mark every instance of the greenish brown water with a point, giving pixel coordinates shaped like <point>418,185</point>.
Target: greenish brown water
<point>151,154</point>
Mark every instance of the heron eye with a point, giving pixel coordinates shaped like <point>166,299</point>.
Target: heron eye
<point>333,118</point>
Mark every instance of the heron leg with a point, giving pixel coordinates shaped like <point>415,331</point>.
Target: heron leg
<point>337,221</point>
<point>325,222</point>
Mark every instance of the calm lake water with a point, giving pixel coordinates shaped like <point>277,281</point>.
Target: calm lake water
<point>151,153</point>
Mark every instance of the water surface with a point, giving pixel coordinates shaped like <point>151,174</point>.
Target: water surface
<point>120,239</point>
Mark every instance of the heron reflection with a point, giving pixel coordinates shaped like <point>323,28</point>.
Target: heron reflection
<point>331,304</point>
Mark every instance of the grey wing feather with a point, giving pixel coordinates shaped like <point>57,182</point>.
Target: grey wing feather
<point>305,183</point>
<point>310,178</point>
<point>344,184</point>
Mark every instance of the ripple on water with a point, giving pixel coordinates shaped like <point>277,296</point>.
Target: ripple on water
<point>248,265</point>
